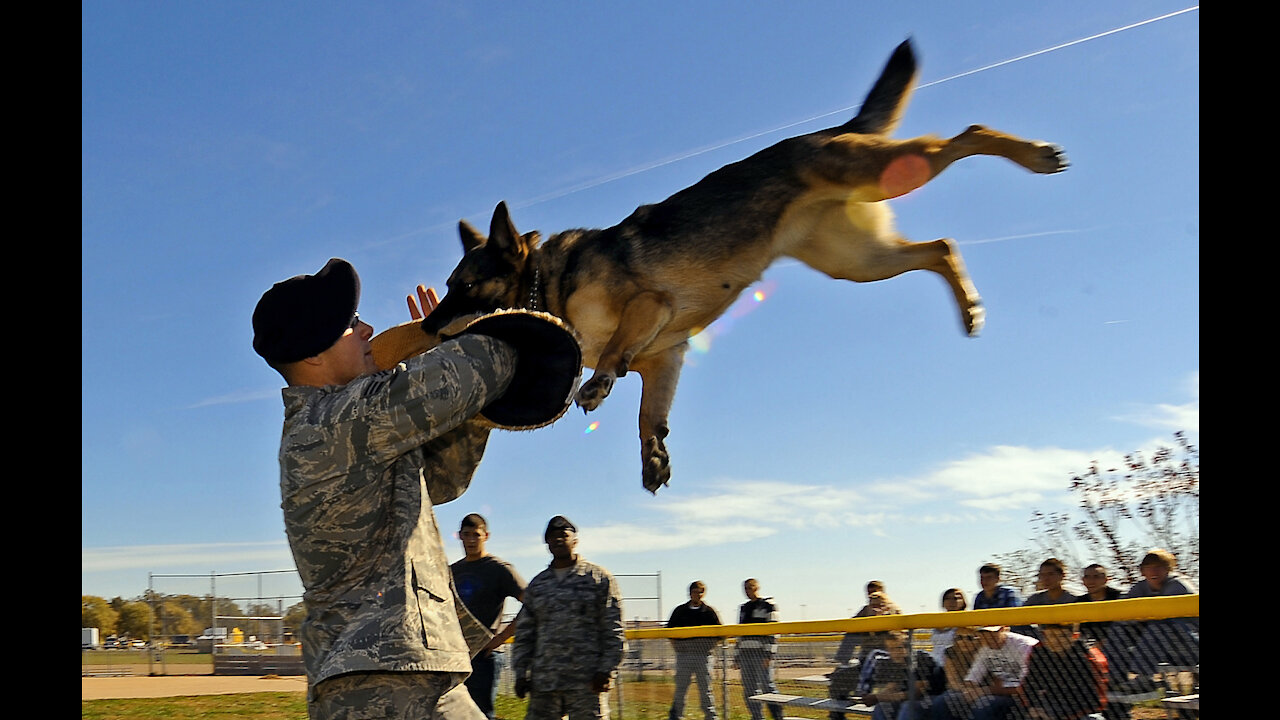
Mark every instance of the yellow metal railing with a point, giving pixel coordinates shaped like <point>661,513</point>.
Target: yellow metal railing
<point>1176,606</point>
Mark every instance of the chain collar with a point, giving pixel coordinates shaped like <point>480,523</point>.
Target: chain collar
<point>535,290</point>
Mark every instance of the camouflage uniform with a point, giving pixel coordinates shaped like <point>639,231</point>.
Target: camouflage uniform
<point>360,467</point>
<point>569,629</point>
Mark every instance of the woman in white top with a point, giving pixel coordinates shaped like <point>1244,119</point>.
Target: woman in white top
<point>953,600</point>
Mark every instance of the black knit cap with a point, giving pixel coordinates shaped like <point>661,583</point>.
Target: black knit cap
<point>306,314</point>
<point>559,522</point>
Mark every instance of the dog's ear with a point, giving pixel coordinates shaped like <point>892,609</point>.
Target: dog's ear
<point>504,236</point>
<point>471,237</point>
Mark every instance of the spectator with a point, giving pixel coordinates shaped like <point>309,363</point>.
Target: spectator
<point>1094,579</point>
<point>365,454</point>
<point>853,645</point>
<point>1175,641</point>
<point>995,595</point>
<point>569,634</point>
<point>884,684</point>
<point>996,674</point>
<point>853,649</point>
<point>1065,679</point>
<point>1052,573</point>
<point>953,600</point>
<point>878,601</point>
<point>484,582</point>
<point>755,653</point>
<point>1098,634</point>
<point>959,657</point>
<point>693,655</point>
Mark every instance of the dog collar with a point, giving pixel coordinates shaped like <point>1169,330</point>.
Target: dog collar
<point>535,290</point>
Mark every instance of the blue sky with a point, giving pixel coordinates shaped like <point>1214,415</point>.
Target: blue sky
<point>826,435</point>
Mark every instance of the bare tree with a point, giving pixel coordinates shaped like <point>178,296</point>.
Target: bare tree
<point>1123,512</point>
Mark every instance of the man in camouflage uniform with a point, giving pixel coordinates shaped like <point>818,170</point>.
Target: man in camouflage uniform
<point>363,457</point>
<point>569,634</point>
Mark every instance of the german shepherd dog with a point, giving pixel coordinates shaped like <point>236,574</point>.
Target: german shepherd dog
<point>637,291</point>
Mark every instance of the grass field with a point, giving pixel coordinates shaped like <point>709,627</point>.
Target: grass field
<point>139,657</point>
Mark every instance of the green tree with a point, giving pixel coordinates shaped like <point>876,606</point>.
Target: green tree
<point>175,619</point>
<point>136,618</point>
<point>1120,514</point>
<point>97,612</point>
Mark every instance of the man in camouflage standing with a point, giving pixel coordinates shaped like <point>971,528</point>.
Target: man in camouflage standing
<point>569,634</point>
<point>364,455</point>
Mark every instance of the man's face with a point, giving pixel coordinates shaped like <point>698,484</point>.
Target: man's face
<point>896,648</point>
<point>1056,639</point>
<point>1050,577</point>
<point>695,594</point>
<point>989,580</point>
<point>1094,579</point>
<point>993,639</point>
<point>966,639</point>
<point>751,589</point>
<point>473,539</point>
<point>351,356</point>
<point>562,542</point>
<point>1155,574</point>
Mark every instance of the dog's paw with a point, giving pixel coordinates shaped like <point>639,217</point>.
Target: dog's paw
<point>1050,159</point>
<point>594,391</point>
<point>974,318</point>
<point>657,465</point>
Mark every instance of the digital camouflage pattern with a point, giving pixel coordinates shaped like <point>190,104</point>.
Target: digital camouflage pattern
<point>360,467</point>
<point>569,629</point>
<point>580,704</point>
<point>398,696</point>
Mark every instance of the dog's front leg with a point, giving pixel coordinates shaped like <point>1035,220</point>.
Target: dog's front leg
<point>659,373</point>
<point>642,318</point>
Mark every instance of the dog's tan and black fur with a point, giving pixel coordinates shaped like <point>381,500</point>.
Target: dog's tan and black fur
<point>635,292</point>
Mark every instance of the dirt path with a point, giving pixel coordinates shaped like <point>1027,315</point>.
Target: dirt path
<point>92,688</point>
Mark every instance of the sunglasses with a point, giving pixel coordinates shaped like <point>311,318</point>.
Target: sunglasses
<point>355,320</point>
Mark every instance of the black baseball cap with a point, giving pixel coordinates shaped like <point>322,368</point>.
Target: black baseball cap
<point>559,522</point>
<point>306,314</point>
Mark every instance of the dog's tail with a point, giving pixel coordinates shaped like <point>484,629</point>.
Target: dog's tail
<point>882,110</point>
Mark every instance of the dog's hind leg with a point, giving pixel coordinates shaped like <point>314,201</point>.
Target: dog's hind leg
<point>876,168</point>
<point>643,317</point>
<point>659,373</point>
<point>853,254</point>
<point>1036,156</point>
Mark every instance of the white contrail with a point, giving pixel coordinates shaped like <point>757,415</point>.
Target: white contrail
<point>710,148</point>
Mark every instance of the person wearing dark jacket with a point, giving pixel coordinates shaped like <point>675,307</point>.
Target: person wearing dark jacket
<point>1065,679</point>
<point>693,654</point>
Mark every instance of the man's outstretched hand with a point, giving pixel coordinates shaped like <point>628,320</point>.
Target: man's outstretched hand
<point>426,302</point>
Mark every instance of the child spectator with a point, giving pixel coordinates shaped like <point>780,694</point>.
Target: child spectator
<point>1065,679</point>
<point>885,684</point>
<point>1052,573</point>
<point>953,600</point>
<point>996,674</point>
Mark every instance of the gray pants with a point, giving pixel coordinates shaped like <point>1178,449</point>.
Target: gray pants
<point>400,695</point>
<point>756,667</point>
<point>696,666</point>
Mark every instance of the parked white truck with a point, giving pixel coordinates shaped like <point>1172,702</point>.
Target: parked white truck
<point>89,639</point>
